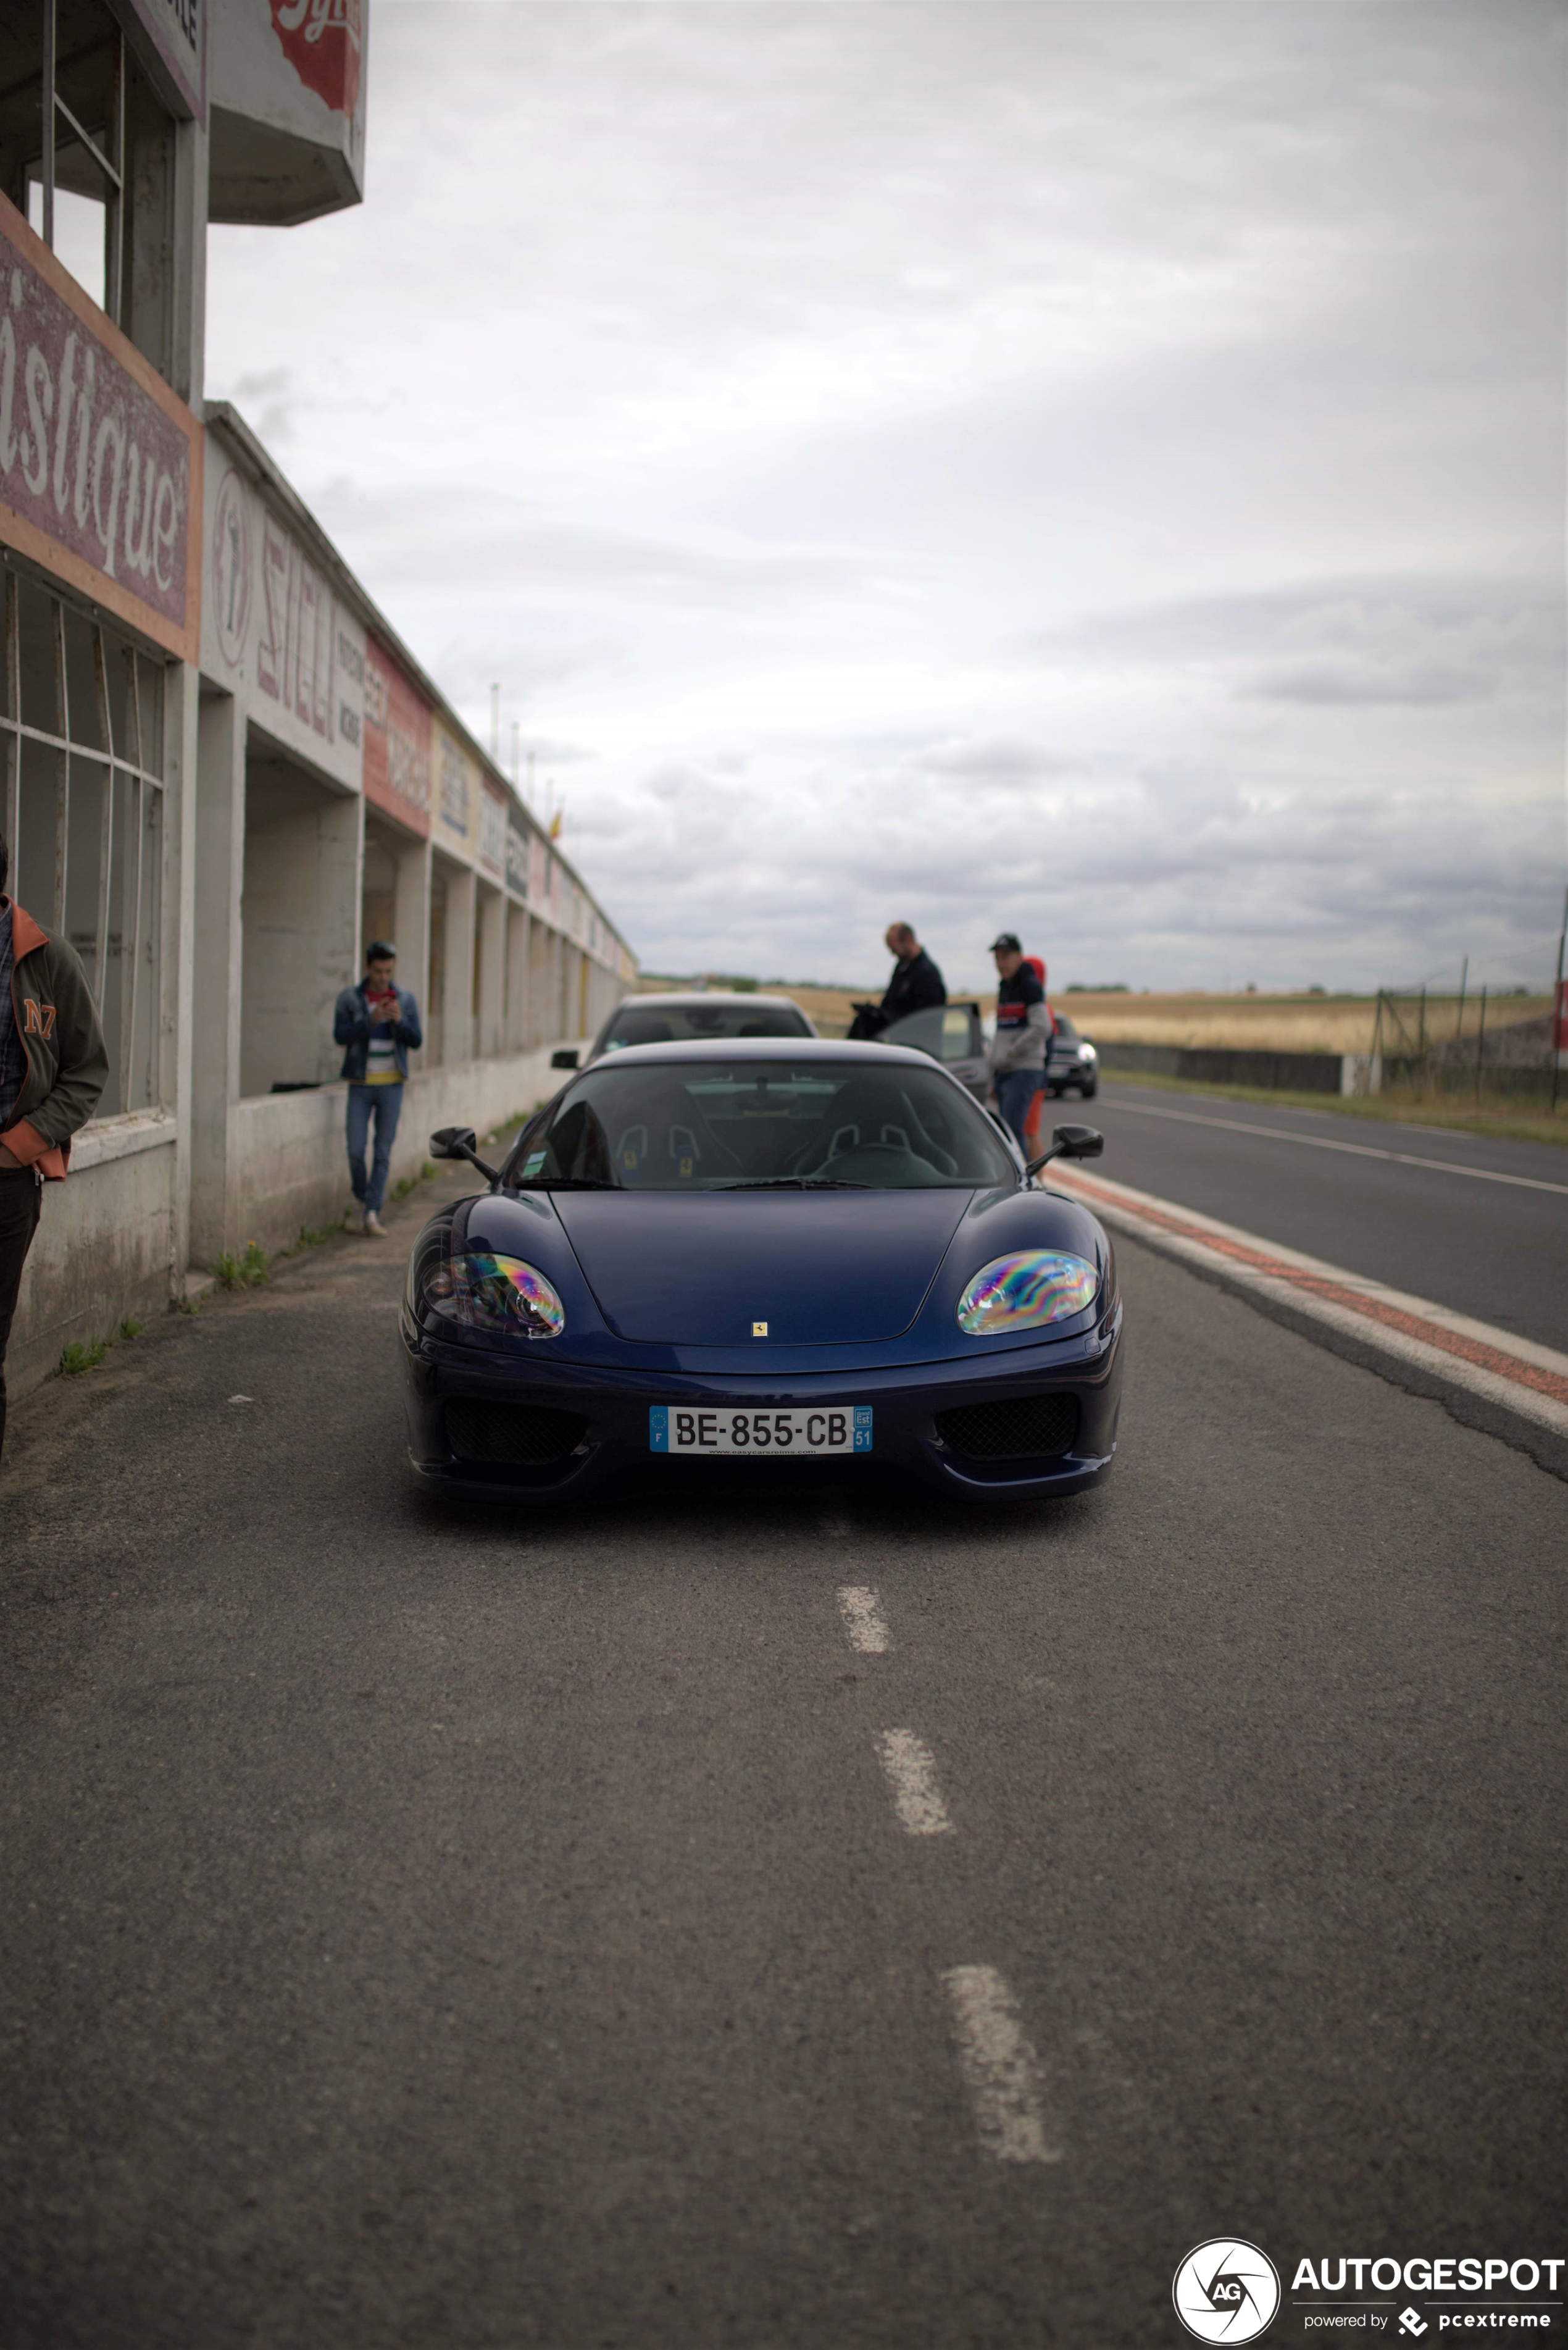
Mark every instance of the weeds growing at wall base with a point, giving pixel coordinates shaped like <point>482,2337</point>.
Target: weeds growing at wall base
<point>247,1272</point>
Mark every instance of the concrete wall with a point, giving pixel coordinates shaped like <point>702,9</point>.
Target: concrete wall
<point>286,1155</point>
<point>104,1246</point>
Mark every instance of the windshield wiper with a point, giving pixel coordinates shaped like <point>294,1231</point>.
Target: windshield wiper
<point>793,1183</point>
<point>565,1183</point>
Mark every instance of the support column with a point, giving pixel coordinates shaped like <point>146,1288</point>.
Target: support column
<point>516,978</point>
<point>461,917</point>
<point>412,923</point>
<point>492,1021</point>
<point>538,982</point>
<point>217,943</point>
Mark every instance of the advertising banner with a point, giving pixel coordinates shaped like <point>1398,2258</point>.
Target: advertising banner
<point>398,727</point>
<point>539,863</point>
<point>272,632</point>
<point>456,805</point>
<point>288,107</point>
<point>492,827</point>
<point>170,37</point>
<point>516,851</point>
<point>100,466</point>
<point>1559,1026</point>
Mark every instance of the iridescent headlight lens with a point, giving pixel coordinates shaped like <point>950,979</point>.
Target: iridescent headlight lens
<point>498,1294</point>
<point>1024,1291</point>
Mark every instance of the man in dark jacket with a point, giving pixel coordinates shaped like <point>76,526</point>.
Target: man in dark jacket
<point>53,1066</point>
<point>377,1024</point>
<point>915,983</point>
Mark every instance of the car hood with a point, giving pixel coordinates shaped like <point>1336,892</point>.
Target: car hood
<point>671,1268</point>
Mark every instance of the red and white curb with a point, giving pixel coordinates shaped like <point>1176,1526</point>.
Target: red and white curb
<point>1507,1371</point>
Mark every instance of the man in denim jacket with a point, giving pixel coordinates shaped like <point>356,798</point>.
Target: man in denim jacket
<point>377,1024</point>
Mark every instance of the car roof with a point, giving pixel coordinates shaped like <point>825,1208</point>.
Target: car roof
<point>707,995</point>
<point>769,1048</point>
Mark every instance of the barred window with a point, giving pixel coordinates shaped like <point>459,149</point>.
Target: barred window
<point>81,741</point>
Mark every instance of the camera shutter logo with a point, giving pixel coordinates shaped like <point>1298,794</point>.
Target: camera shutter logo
<point>1226,2291</point>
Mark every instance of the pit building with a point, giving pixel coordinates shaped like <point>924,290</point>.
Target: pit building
<point>220,770</point>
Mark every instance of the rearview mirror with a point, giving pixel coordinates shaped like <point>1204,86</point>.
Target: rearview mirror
<point>1077,1142</point>
<point>1069,1142</point>
<point>566,1058</point>
<point>461,1142</point>
<point>453,1142</point>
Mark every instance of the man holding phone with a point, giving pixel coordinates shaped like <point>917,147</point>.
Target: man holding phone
<point>377,1024</point>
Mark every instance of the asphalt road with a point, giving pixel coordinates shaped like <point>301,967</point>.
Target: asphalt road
<point>504,1932</point>
<point>1475,1228</point>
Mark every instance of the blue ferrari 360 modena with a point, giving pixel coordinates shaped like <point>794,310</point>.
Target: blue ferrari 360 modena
<point>770,1249</point>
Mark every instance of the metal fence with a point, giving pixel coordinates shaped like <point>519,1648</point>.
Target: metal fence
<point>1477,1048</point>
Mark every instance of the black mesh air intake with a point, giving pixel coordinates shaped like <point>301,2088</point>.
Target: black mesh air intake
<point>1016,1427</point>
<point>516,1435</point>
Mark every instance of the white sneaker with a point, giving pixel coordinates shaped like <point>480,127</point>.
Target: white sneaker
<point>374,1226</point>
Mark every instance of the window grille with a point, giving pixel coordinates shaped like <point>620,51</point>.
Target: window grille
<point>81,741</point>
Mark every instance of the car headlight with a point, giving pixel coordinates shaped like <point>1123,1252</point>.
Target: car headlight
<point>496,1294</point>
<point>1023,1291</point>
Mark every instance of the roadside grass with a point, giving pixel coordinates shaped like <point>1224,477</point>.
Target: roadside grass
<point>1507,1122</point>
<point>87,1354</point>
<point>247,1271</point>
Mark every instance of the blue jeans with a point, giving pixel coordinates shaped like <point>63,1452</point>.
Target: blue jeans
<point>384,1102</point>
<point>1014,1091</point>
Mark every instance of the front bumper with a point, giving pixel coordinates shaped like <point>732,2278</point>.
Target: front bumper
<point>907,1399</point>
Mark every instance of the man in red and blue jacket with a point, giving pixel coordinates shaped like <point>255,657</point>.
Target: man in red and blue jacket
<point>1022,1035</point>
<point>53,1066</point>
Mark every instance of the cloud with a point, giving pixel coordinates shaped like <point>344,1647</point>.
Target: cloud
<point>1096,469</point>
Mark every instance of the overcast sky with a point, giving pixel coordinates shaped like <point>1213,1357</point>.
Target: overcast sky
<point>1094,469</point>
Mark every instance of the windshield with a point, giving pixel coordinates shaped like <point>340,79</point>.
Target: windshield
<point>712,1125</point>
<point>1065,1030</point>
<point>681,1024</point>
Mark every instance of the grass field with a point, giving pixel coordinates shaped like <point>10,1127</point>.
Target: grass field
<point>1264,1024</point>
<point>1277,1024</point>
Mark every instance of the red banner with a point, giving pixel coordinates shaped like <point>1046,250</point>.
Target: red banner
<point>323,40</point>
<point>1559,1026</point>
<point>398,725</point>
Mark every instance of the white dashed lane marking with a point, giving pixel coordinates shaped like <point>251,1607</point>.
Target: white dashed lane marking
<point>912,1777</point>
<point>1000,2068</point>
<point>862,1613</point>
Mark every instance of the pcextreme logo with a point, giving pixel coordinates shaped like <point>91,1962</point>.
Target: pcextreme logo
<point>1226,2291</point>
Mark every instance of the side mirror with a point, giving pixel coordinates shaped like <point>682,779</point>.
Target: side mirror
<point>566,1058</point>
<point>459,1142</point>
<point>453,1142</point>
<point>1069,1142</point>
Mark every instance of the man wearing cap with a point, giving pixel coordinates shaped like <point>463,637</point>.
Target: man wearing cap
<point>1022,1037</point>
<point>377,1024</point>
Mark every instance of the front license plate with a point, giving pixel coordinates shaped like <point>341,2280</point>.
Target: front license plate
<point>759,1435</point>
